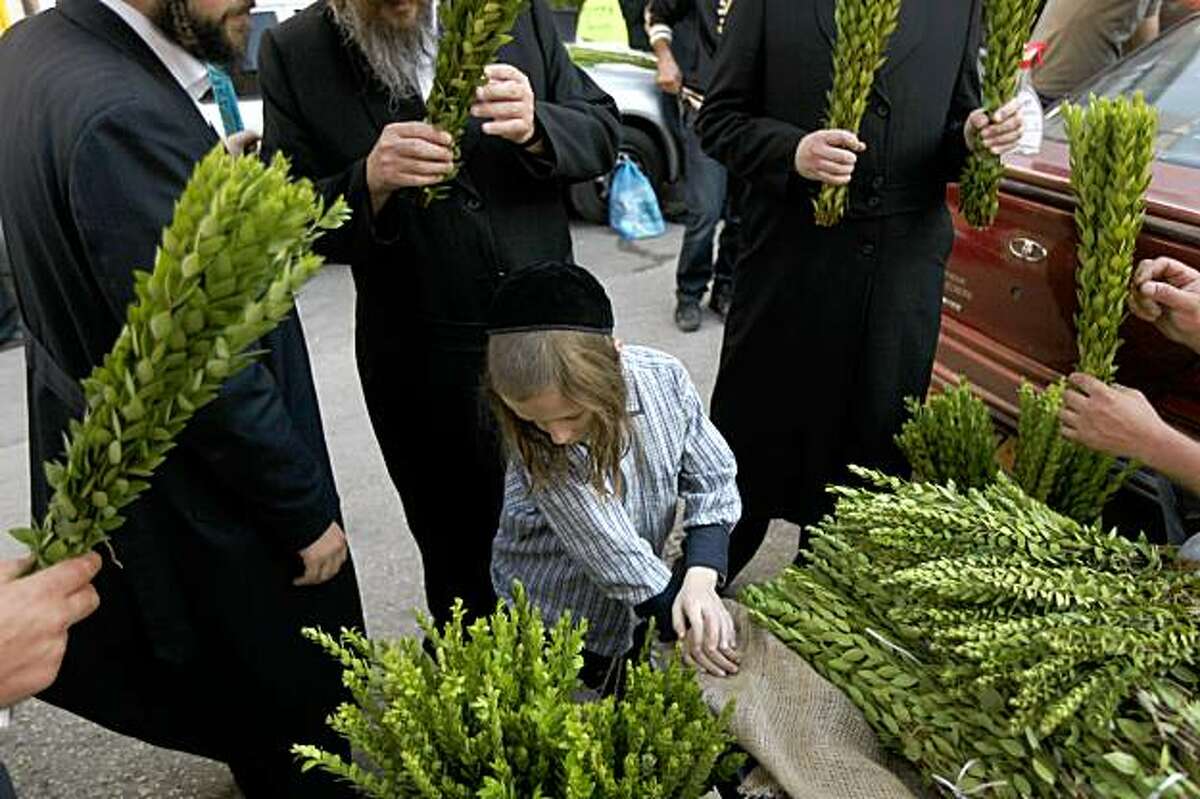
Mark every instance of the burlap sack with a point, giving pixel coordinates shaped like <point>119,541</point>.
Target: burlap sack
<point>807,736</point>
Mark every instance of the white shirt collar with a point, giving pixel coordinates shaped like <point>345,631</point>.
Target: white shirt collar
<point>188,70</point>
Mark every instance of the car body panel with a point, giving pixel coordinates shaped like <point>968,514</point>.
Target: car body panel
<point>1009,297</point>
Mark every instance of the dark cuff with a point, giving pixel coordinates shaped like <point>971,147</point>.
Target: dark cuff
<point>659,607</point>
<point>707,546</point>
<point>541,165</point>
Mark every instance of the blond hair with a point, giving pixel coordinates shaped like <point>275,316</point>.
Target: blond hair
<point>586,369</point>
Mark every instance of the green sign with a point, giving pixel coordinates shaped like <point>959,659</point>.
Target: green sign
<point>602,21</point>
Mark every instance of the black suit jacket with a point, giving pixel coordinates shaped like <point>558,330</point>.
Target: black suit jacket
<point>773,75</point>
<point>425,276</point>
<point>97,140</point>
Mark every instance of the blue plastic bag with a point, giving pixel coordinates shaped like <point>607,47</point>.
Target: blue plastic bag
<point>632,207</point>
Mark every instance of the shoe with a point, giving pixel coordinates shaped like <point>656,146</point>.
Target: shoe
<point>687,316</point>
<point>719,299</point>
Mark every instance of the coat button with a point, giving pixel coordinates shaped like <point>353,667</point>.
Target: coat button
<point>473,204</point>
<point>881,109</point>
<point>877,182</point>
<point>873,201</point>
<point>867,249</point>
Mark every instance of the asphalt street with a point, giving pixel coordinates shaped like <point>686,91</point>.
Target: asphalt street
<point>54,755</point>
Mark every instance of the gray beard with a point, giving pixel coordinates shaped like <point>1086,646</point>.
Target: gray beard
<point>395,56</point>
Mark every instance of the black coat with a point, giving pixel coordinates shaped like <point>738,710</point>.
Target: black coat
<point>425,276</point>
<point>831,328</point>
<point>97,140</point>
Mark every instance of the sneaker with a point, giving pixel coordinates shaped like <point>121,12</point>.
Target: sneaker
<point>687,316</point>
<point>719,299</point>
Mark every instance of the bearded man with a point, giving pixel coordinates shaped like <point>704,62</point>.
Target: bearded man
<point>237,545</point>
<point>344,85</point>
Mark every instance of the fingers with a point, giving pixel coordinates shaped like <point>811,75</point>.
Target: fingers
<point>500,110</point>
<point>514,129</point>
<point>66,578</point>
<point>12,569</point>
<point>677,619</point>
<point>422,150</point>
<point>1165,269</point>
<point>417,130</point>
<point>81,604</point>
<point>504,72</point>
<point>1001,132</point>
<point>1085,384</point>
<point>500,91</point>
<point>323,558</point>
<point>1166,295</point>
<point>844,139</point>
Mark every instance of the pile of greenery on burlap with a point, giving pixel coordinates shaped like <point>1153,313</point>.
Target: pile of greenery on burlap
<point>1007,24</point>
<point>1112,149</point>
<point>492,715</point>
<point>864,28</point>
<point>225,274</point>
<point>992,641</point>
<point>470,33</point>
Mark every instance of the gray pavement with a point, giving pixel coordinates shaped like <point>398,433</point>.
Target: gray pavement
<point>54,755</point>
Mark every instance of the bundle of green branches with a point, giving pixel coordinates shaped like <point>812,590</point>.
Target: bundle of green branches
<point>471,32</point>
<point>237,251</point>
<point>950,439</point>
<point>1007,24</point>
<point>492,716</point>
<point>1112,148</point>
<point>1006,645</point>
<point>864,28</point>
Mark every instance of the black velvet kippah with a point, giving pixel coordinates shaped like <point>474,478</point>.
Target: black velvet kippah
<point>550,296</point>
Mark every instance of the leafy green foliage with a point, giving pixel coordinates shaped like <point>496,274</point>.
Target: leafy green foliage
<point>471,33</point>
<point>991,640</point>
<point>492,716</point>
<point>1007,24</point>
<point>950,438</point>
<point>863,30</point>
<point>1068,477</point>
<point>1112,146</point>
<point>237,251</point>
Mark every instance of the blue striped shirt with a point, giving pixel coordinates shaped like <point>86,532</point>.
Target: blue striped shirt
<point>596,556</point>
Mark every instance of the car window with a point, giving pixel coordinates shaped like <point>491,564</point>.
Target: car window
<point>1167,72</point>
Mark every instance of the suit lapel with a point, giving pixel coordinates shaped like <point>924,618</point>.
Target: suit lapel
<point>904,41</point>
<point>100,21</point>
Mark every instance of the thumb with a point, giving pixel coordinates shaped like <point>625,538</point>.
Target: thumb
<point>844,139</point>
<point>12,569</point>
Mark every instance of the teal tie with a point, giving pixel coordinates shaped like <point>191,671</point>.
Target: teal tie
<point>227,100</point>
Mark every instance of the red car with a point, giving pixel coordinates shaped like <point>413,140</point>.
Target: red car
<point>1010,290</point>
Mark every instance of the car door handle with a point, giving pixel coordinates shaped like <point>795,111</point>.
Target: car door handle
<point>1026,249</point>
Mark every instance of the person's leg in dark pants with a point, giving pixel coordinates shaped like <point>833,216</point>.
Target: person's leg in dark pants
<point>6,787</point>
<point>704,189</point>
<point>444,460</point>
<point>727,250</point>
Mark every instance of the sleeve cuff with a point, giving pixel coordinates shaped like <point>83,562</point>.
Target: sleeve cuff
<point>543,165</point>
<point>707,546</point>
<point>658,607</point>
<point>659,32</point>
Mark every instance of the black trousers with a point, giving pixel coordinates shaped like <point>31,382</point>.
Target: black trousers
<point>443,455</point>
